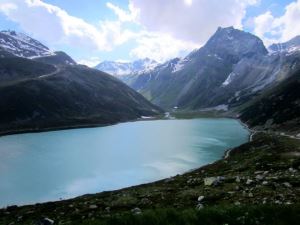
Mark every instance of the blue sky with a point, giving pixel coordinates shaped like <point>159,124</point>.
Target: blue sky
<point>97,30</point>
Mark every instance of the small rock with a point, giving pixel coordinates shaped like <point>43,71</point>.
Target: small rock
<point>250,195</point>
<point>107,209</point>
<point>46,221</point>
<point>287,184</point>
<point>237,203</point>
<point>292,170</point>
<point>249,181</point>
<point>258,172</point>
<point>265,182</point>
<point>199,206</point>
<point>146,201</point>
<point>213,181</point>
<point>136,211</point>
<point>93,206</point>
<point>259,177</point>
<point>200,198</point>
<point>238,179</point>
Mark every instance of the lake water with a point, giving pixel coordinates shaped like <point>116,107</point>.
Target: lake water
<point>38,167</point>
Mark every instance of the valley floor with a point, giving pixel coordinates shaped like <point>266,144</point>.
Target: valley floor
<point>259,183</point>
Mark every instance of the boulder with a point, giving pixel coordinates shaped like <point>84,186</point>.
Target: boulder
<point>213,181</point>
<point>93,206</point>
<point>199,206</point>
<point>200,198</point>
<point>45,221</point>
<point>136,211</point>
<point>249,181</point>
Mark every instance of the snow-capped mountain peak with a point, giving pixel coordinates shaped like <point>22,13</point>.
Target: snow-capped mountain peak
<point>287,47</point>
<point>125,68</point>
<point>21,45</point>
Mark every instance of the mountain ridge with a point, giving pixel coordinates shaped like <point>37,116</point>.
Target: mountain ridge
<point>120,69</point>
<point>231,68</point>
<point>51,91</point>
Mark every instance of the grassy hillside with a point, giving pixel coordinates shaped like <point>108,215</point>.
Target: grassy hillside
<point>14,68</point>
<point>71,96</point>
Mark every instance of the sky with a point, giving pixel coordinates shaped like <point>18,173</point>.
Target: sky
<point>91,31</point>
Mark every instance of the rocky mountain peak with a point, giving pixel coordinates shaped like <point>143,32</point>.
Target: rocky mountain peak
<point>235,42</point>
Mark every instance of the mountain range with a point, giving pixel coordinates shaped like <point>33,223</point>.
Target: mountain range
<point>121,69</point>
<point>233,72</point>
<point>42,89</point>
<point>231,68</point>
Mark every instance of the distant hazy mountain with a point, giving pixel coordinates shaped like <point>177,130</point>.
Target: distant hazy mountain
<point>40,91</point>
<point>289,46</point>
<point>125,68</point>
<point>231,68</point>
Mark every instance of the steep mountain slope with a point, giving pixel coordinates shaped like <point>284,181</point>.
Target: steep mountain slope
<point>120,69</point>
<point>192,82</point>
<point>59,58</point>
<point>277,108</point>
<point>16,68</point>
<point>45,93</point>
<point>230,69</point>
<point>22,45</point>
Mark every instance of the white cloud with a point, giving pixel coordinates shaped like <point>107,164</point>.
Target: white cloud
<point>7,7</point>
<point>262,23</point>
<point>189,20</point>
<point>281,28</point>
<point>167,28</point>
<point>160,47</point>
<point>289,22</point>
<point>54,25</point>
<point>123,15</point>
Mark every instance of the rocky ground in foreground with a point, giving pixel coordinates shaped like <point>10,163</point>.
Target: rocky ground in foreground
<point>262,176</point>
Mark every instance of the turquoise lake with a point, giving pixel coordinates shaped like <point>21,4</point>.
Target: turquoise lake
<point>46,166</point>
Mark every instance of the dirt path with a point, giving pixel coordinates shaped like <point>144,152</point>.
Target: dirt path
<point>43,76</point>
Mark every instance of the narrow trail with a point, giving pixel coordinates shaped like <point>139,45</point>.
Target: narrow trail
<point>43,76</point>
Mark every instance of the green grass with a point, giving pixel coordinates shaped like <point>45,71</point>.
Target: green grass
<point>275,215</point>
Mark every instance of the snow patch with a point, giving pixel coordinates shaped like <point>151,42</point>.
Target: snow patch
<point>180,65</point>
<point>147,117</point>
<point>229,79</point>
<point>22,45</point>
<point>222,107</point>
